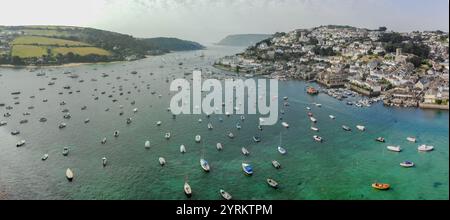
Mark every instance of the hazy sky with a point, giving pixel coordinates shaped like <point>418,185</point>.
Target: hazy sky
<point>208,21</point>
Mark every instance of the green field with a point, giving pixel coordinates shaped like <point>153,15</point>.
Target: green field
<point>80,51</point>
<point>27,51</point>
<point>35,40</point>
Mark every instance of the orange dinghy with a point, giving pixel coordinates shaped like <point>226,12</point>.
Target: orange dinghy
<point>381,186</point>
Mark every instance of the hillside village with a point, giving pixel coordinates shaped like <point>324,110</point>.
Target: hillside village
<point>403,69</point>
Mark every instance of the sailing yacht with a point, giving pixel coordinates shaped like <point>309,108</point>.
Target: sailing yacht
<point>280,148</point>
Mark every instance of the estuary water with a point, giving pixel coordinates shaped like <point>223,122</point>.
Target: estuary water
<point>342,167</point>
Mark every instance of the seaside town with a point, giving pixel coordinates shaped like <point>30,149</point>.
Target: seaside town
<point>400,69</point>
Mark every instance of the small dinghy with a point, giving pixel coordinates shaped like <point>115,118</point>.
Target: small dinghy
<point>20,143</point>
<point>69,174</point>
<point>147,144</point>
<point>286,125</point>
<point>210,127</point>
<point>272,183</point>
<point>411,139</point>
<point>407,164</point>
<point>317,138</point>
<point>332,116</point>
<point>104,161</point>
<point>87,120</point>
<point>225,195</point>
<point>381,186</point>
<point>346,128</point>
<point>167,135</point>
<point>104,140</point>
<point>116,133</point>
<point>187,189</point>
<point>231,135</point>
<point>314,128</point>
<point>65,151</point>
<point>44,157</point>
<point>198,138</point>
<point>380,139</point>
<point>245,151</point>
<point>158,123</point>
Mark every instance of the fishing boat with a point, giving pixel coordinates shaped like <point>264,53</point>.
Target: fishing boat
<point>381,186</point>
<point>116,133</point>
<point>104,160</point>
<point>380,139</point>
<point>219,146</point>
<point>204,164</point>
<point>231,135</point>
<point>247,168</point>
<point>317,138</point>
<point>332,116</point>
<point>346,128</point>
<point>425,148</point>
<point>314,128</point>
<point>225,195</point>
<point>272,183</point>
<point>394,148</point>
<point>286,125</point>
<point>198,138</point>
<point>187,189</point>
<point>44,157</point>
<point>147,144</point>
<point>411,139</point>
<point>276,164</point>
<point>210,127</point>
<point>158,123</point>
<point>314,120</point>
<point>167,135</point>
<point>162,161</point>
<point>256,139</point>
<point>238,125</point>
<point>69,174</point>
<point>182,149</point>
<point>360,127</point>
<point>245,151</point>
<point>20,143</point>
<point>65,151</point>
<point>104,140</point>
<point>407,164</point>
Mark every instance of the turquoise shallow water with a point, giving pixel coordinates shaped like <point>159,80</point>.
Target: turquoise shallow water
<point>343,167</point>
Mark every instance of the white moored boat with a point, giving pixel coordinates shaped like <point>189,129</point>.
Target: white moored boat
<point>162,161</point>
<point>317,138</point>
<point>187,189</point>
<point>69,174</point>
<point>225,195</point>
<point>332,117</point>
<point>314,120</point>
<point>276,164</point>
<point>314,128</point>
<point>407,164</point>
<point>104,161</point>
<point>204,164</point>
<point>360,127</point>
<point>219,146</point>
<point>247,168</point>
<point>245,151</point>
<point>44,157</point>
<point>425,148</point>
<point>167,135</point>
<point>394,148</point>
<point>198,138</point>
<point>182,149</point>
<point>411,139</point>
<point>20,143</point>
<point>286,125</point>
<point>147,144</point>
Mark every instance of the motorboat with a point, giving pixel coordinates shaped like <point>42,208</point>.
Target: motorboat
<point>15,132</point>
<point>104,140</point>
<point>3,123</point>
<point>65,151</point>
<point>87,120</point>
<point>276,164</point>
<point>62,125</point>
<point>394,148</point>
<point>411,139</point>
<point>286,125</point>
<point>158,123</point>
<point>198,138</point>
<point>360,127</point>
<point>147,144</point>
<point>425,148</point>
<point>317,138</point>
<point>204,164</point>
<point>20,143</point>
<point>162,161</point>
<point>104,161</point>
<point>238,125</point>
<point>380,139</point>
<point>281,150</point>
<point>256,139</point>
<point>272,183</point>
<point>182,149</point>
<point>247,168</point>
<point>245,151</point>
<point>231,135</point>
<point>44,157</point>
<point>314,128</point>
<point>69,174</point>
<point>407,164</point>
<point>308,108</point>
<point>116,133</point>
<point>219,146</point>
<point>42,119</point>
<point>225,195</point>
<point>332,116</point>
<point>346,128</point>
<point>381,186</point>
<point>314,120</point>
<point>210,126</point>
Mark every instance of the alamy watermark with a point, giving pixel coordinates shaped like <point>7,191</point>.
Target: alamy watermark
<point>235,96</point>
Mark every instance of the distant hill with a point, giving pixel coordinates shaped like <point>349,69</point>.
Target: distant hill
<point>172,44</point>
<point>54,45</point>
<point>243,40</point>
